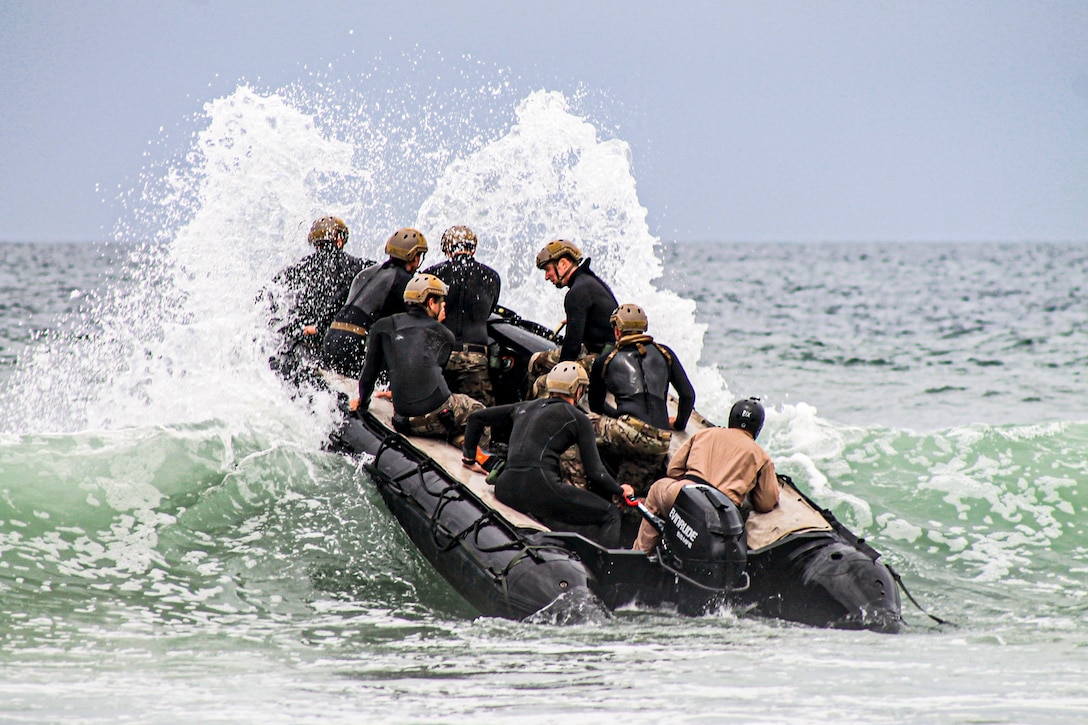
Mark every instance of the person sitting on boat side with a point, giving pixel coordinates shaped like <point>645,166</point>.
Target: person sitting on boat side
<point>375,293</point>
<point>413,346</point>
<point>473,292</point>
<point>638,371</point>
<point>588,304</point>
<point>729,459</point>
<point>305,296</point>
<point>531,479</point>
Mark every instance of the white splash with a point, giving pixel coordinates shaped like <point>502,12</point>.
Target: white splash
<point>551,177</point>
<point>186,342</point>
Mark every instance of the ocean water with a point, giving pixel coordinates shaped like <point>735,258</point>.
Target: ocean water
<point>175,546</point>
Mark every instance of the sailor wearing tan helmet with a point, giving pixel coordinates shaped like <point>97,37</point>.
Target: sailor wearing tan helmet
<point>588,305</point>
<point>473,293</point>
<point>304,297</point>
<point>413,347</point>
<point>532,478</point>
<point>375,293</point>
<point>635,431</point>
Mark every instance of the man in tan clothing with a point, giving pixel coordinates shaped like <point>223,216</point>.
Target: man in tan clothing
<point>729,459</point>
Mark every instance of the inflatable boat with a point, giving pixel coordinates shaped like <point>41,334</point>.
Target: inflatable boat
<point>795,563</point>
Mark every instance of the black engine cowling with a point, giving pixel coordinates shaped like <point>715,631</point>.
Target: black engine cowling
<point>704,533</point>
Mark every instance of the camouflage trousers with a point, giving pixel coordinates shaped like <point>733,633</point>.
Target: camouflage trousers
<point>466,372</point>
<point>541,363</point>
<point>628,434</point>
<point>446,421</point>
<point>640,448</point>
<point>572,469</point>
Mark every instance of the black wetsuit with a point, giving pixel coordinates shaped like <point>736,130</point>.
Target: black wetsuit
<point>375,293</point>
<point>310,292</point>
<point>531,480</point>
<point>589,305</point>
<point>473,291</point>
<point>413,347</point>
<point>638,375</point>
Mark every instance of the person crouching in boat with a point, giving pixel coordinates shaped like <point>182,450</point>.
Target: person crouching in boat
<point>729,459</point>
<point>473,291</point>
<point>375,293</point>
<point>637,430</point>
<point>531,480</point>
<point>588,305</point>
<point>413,346</point>
<point>305,296</point>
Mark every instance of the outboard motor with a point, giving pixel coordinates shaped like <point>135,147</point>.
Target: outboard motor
<point>704,533</point>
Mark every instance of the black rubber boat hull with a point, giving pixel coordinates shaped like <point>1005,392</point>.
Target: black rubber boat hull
<point>823,579</point>
<point>512,572</point>
<point>823,582</point>
<point>492,564</point>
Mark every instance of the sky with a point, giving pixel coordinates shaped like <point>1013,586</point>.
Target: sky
<point>759,121</point>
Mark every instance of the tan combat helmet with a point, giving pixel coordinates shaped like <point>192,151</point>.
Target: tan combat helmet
<point>406,243</point>
<point>422,287</point>
<point>566,377</point>
<point>554,251</point>
<point>629,319</point>
<point>328,230</point>
<point>458,240</point>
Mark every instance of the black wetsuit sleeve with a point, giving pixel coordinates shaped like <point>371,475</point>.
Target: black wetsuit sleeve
<point>598,391</point>
<point>576,305</point>
<point>445,345</point>
<point>480,419</point>
<point>685,391</point>
<point>498,290</point>
<point>596,474</point>
<point>394,300</point>
<point>372,367</point>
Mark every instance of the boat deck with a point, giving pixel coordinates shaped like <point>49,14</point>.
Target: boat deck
<point>792,515</point>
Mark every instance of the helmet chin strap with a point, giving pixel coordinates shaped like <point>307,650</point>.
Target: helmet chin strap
<point>570,269</point>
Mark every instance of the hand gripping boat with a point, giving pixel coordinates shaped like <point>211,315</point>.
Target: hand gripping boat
<point>796,563</point>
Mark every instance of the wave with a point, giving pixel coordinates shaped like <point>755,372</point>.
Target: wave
<point>199,522</point>
<point>193,524</point>
<point>993,508</point>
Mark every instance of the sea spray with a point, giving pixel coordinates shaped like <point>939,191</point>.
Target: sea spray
<point>216,498</point>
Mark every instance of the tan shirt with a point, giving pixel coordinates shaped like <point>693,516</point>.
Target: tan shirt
<point>731,461</point>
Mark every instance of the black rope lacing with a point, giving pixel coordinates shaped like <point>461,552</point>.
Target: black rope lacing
<point>489,517</point>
